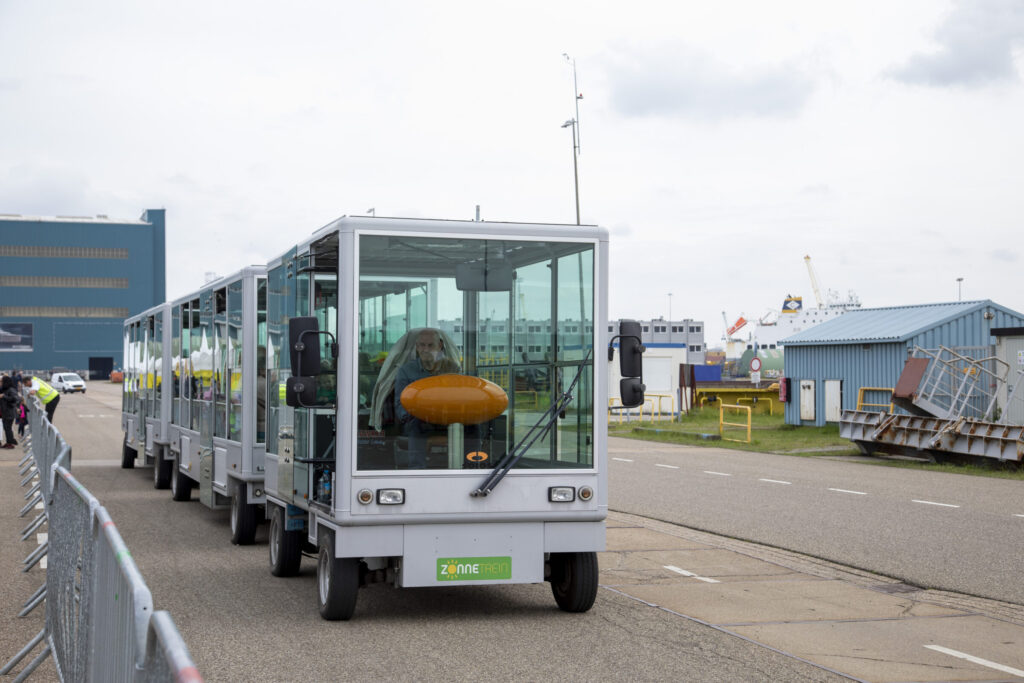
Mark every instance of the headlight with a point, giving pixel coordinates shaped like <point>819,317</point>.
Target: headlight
<point>561,494</point>
<point>390,496</point>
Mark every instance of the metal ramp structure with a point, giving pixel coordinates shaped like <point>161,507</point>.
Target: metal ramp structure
<point>952,401</point>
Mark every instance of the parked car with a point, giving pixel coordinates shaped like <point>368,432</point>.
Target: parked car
<point>67,381</point>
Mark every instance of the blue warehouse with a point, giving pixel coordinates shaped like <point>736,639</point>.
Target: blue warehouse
<point>827,364</point>
<point>68,283</point>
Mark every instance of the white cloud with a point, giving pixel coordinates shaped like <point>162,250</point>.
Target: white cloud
<point>975,46</point>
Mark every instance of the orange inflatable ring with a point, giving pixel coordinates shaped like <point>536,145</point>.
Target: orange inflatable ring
<point>450,399</point>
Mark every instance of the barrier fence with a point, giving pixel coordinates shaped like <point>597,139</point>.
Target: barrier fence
<point>100,624</point>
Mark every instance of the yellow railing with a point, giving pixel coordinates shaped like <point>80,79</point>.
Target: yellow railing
<point>860,398</point>
<point>652,406</point>
<point>722,424</point>
<point>753,400</point>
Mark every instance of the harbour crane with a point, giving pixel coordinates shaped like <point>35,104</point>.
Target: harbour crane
<point>814,282</point>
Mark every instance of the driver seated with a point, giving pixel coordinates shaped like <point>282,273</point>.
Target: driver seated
<point>430,358</point>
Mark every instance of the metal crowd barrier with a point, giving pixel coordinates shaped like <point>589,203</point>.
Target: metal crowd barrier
<point>100,624</point>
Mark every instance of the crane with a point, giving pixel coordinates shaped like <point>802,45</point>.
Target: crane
<point>814,282</point>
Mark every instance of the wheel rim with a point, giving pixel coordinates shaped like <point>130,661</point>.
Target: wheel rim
<point>323,577</point>
<point>275,540</point>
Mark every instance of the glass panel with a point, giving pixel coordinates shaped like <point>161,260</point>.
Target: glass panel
<point>157,352</point>
<point>185,365</point>
<point>175,364</point>
<point>280,308</point>
<point>261,360</point>
<point>125,373</point>
<point>202,357</point>
<point>220,361</point>
<point>325,303</point>
<point>235,371</point>
<point>527,331</point>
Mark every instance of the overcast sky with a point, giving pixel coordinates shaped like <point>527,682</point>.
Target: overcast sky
<point>720,141</point>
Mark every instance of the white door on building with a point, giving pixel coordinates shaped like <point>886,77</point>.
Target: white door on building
<point>833,400</point>
<point>807,399</point>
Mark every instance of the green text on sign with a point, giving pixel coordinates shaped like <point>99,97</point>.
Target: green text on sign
<point>474,568</point>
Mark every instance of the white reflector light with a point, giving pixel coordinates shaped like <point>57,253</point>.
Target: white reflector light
<point>561,494</point>
<point>586,493</point>
<point>365,496</point>
<point>390,496</point>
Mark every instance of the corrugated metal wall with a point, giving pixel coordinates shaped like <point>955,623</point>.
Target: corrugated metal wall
<point>876,364</point>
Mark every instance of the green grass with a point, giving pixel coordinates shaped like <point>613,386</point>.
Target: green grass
<point>770,434</point>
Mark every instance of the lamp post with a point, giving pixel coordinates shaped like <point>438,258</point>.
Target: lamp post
<point>670,316</point>
<point>576,137</point>
<point>959,289</point>
<point>575,170</point>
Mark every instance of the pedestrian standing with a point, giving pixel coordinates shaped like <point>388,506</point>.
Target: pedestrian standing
<point>47,394</point>
<point>10,401</point>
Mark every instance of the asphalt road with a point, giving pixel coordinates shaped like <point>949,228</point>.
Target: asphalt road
<point>242,624</point>
<point>935,530</point>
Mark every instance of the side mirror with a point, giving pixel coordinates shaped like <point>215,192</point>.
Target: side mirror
<point>304,344</point>
<point>631,349</point>
<point>300,392</point>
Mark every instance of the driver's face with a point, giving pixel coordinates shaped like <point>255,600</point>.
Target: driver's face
<point>428,346</point>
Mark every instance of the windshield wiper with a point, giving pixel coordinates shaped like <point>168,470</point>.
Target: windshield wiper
<point>537,431</point>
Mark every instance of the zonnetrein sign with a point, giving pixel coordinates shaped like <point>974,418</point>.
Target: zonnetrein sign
<point>474,568</point>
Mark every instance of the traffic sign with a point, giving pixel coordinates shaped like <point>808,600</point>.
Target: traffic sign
<point>755,364</point>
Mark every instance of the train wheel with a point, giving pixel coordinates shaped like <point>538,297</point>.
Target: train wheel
<point>337,580</point>
<point>574,580</point>
<point>181,485</point>
<point>243,517</point>
<point>285,546</point>
<point>161,470</point>
<point>128,455</point>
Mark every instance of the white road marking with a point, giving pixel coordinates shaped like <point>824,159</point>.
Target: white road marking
<point>776,481</point>
<point>719,474</point>
<point>977,660</point>
<point>1018,515</point>
<point>928,502</point>
<point>668,467</point>
<point>677,570</point>
<point>856,493</point>
<point>622,459</point>
<point>41,538</point>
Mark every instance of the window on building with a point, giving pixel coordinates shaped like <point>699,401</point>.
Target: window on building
<point>62,312</point>
<point>58,281</point>
<point>28,251</point>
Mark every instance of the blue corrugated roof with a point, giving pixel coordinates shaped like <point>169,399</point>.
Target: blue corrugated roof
<point>892,324</point>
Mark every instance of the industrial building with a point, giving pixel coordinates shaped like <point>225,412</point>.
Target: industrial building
<point>67,283</point>
<point>827,364</point>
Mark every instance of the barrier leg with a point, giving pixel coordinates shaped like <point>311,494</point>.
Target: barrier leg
<point>25,468</point>
<point>24,459</point>
<point>21,655</point>
<point>31,504</point>
<point>33,602</point>
<point>33,665</point>
<point>32,491</point>
<point>31,475</point>
<point>36,523</point>
<point>35,556</point>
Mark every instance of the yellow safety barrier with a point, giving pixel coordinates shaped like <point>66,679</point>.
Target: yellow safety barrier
<point>722,424</point>
<point>654,409</point>
<point>860,398</point>
<point>753,400</point>
<point>527,399</point>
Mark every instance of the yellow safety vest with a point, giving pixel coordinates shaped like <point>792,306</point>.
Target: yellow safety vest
<point>45,392</point>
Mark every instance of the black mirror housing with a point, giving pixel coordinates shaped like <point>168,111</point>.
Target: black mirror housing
<point>300,392</point>
<point>630,349</point>
<point>304,345</point>
<point>631,390</point>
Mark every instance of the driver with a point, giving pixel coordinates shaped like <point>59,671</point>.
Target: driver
<point>430,359</point>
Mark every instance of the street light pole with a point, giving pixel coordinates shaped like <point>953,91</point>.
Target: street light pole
<point>959,289</point>
<point>576,137</point>
<point>575,169</point>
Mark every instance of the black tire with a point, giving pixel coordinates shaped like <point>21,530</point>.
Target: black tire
<point>574,580</point>
<point>337,582</point>
<point>244,516</point>
<point>128,455</point>
<point>285,546</point>
<point>181,485</point>
<point>161,469</point>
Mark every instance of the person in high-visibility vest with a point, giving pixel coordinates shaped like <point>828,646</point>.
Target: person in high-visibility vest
<point>48,396</point>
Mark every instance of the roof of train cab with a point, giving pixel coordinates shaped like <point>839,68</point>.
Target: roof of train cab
<point>221,282</point>
<point>439,226</point>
